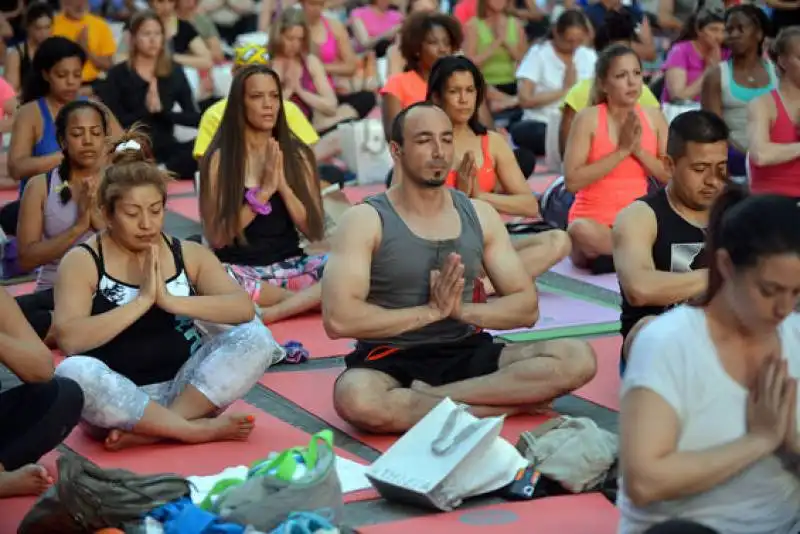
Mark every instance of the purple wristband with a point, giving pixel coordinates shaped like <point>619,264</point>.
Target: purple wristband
<point>261,208</point>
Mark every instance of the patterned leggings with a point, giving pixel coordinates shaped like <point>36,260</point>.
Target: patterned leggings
<point>223,369</point>
<point>294,274</point>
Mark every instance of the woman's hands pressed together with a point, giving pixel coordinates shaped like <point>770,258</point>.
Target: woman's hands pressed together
<point>772,406</point>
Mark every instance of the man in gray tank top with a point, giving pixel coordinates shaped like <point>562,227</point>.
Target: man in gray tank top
<point>399,279</point>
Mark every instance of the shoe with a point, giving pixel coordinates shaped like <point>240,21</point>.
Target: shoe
<point>306,523</point>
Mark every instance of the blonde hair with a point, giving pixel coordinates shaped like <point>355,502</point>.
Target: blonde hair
<point>604,61</point>
<point>164,61</point>
<point>131,165</point>
<point>289,18</point>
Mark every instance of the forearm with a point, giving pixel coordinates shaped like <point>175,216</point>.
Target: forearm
<point>340,68</point>
<point>542,99</point>
<point>324,105</point>
<point>480,59</point>
<point>86,333</point>
<point>50,250</point>
<point>585,175</point>
<point>33,165</point>
<point>102,63</point>
<point>193,61</point>
<point>31,362</point>
<point>519,310</point>
<point>219,309</point>
<point>659,288</point>
<point>687,92</point>
<point>361,320</point>
<point>653,166</point>
<point>774,153</point>
<point>297,211</point>
<point>524,205</point>
<point>684,474</point>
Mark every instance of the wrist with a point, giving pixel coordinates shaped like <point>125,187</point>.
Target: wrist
<point>762,443</point>
<point>255,199</point>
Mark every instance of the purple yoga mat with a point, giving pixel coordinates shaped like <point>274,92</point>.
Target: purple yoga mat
<point>606,281</point>
<point>558,311</point>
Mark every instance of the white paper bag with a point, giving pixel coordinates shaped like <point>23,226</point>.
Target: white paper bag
<point>673,109</point>
<point>364,150</point>
<point>446,457</point>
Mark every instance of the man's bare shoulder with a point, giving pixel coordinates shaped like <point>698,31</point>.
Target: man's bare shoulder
<point>359,226</point>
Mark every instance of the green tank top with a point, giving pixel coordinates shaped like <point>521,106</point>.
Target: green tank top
<point>500,68</point>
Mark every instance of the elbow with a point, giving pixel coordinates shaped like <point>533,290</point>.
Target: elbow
<point>637,295</point>
<point>26,261</point>
<point>757,156</point>
<point>641,492</point>
<point>334,326</point>
<point>41,373</point>
<point>14,170</point>
<point>67,340</point>
<point>570,183</point>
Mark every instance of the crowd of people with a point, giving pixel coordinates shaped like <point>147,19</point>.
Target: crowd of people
<point>685,186</point>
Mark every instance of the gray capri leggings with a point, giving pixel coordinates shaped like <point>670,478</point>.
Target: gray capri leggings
<point>223,369</point>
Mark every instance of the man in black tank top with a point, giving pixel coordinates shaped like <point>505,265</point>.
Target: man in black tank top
<point>399,280</point>
<point>659,239</point>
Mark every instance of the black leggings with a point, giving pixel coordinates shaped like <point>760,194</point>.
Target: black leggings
<point>9,214</point>
<point>178,159</point>
<point>679,526</point>
<point>38,309</point>
<point>36,418</point>
<point>531,135</point>
<point>361,101</point>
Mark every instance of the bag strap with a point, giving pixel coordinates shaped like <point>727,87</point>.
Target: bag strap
<point>544,428</point>
<point>440,445</point>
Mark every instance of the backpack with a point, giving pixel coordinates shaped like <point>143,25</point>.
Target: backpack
<point>87,498</point>
<point>555,204</point>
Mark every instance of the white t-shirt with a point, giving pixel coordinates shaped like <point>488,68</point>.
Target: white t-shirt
<point>675,357</point>
<point>542,66</point>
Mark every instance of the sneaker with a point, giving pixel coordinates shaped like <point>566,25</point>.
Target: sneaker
<point>305,523</point>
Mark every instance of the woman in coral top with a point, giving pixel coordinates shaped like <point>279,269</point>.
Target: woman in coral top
<point>613,147</point>
<point>774,124</point>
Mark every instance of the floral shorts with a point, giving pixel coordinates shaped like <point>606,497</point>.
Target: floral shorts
<point>293,274</point>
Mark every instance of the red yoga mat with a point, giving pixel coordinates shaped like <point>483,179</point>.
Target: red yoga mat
<point>186,206</point>
<point>604,388</point>
<point>313,391</point>
<point>588,513</point>
<point>24,288</point>
<point>308,330</point>
<point>13,510</point>
<point>270,434</point>
<point>180,187</point>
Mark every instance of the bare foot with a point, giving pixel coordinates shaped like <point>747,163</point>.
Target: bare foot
<point>118,440</point>
<point>225,427</point>
<point>30,479</point>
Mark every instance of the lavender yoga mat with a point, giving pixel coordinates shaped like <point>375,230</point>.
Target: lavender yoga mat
<point>559,311</point>
<point>606,281</point>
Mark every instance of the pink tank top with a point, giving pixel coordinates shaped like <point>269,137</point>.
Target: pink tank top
<point>603,199</point>
<point>329,50</point>
<point>784,178</point>
<point>376,22</point>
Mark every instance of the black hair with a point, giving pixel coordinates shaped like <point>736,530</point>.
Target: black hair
<point>397,134</point>
<point>37,10</point>
<point>52,51</point>
<point>443,70</point>
<point>61,122</point>
<point>570,18</point>
<point>417,26</point>
<point>697,126</point>
<point>617,26</point>
<point>697,21</point>
<point>780,47</point>
<point>749,227</point>
<point>757,17</point>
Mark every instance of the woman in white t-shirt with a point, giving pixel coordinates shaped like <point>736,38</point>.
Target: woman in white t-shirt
<point>709,399</point>
<point>547,73</point>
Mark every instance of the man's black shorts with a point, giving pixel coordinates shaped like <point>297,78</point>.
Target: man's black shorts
<point>435,364</point>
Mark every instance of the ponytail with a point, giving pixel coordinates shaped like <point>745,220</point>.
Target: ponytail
<point>730,197</point>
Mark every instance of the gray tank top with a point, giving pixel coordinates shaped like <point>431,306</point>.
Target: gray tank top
<point>401,268</point>
<point>58,218</point>
<point>736,98</point>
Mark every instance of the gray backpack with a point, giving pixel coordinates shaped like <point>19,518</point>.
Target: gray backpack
<point>88,498</point>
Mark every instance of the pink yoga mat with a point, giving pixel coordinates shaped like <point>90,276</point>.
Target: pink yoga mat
<point>357,193</point>
<point>313,391</point>
<point>604,388</point>
<point>590,513</point>
<point>559,311</point>
<point>270,434</point>
<point>180,187</point>
<point>24,288</point>
<point>308,330</point>
<point>186,206</point>
<point>13,510</point>
<point>606,281</point>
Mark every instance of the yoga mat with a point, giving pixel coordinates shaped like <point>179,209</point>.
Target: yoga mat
<point>606,281</point>
<point>8,195</point>
<point>313,391</point>
<point>13,510</point>
<point>24,288</point>
<point>357,193</point>
<point>560,315</point>
<point>270,434</point>
<point>538,183</point>
<point>604,388</point>
<point>308,330</point>
<point>589,513</point>
<point>180,187</point>
<point>186,206</point>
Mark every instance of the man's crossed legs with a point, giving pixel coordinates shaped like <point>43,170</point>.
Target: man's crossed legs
<point>503,379</point>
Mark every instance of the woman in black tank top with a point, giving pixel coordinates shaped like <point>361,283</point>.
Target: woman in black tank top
<point>38,27</point>
<point>270,191</point>
<point>127,306</point>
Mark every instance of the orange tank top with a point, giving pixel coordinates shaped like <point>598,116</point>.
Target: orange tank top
<point>487,178</point>
<point>603,199</point>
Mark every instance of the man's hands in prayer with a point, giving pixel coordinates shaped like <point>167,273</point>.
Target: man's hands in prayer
<point>447,287</point>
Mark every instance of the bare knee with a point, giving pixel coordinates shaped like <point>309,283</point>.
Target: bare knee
<point>589,238</point>
<point>560,244</point>
<point>577,362</point>
<point>361,405</point>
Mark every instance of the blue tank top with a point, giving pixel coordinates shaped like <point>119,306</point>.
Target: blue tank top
<point>47,143</point>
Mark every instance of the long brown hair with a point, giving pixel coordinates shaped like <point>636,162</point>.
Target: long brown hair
<point>163,62</point>
<point>289,18</point>
<point>221,206</point>
<point>605,59</point>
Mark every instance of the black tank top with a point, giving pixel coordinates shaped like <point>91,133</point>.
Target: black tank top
<point>678,248</point>
<point>24,61</point>
<point>268,239</point>
<point>153,348</point>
